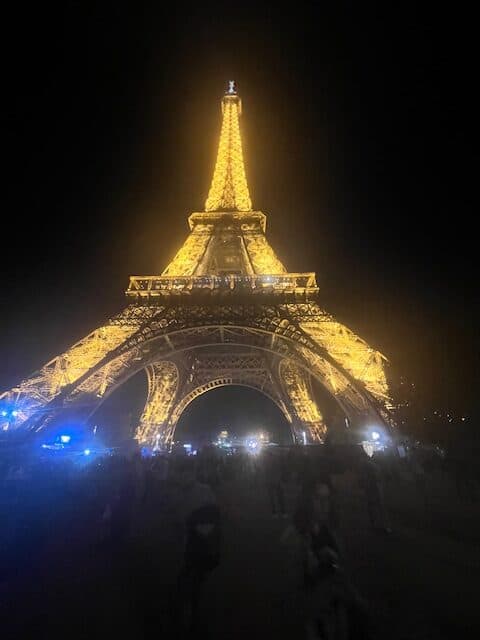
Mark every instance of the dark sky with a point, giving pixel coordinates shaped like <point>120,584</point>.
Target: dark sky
<point>358,138</point>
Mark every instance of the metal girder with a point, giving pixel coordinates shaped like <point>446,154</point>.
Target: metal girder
<point>229,189</point>
<point>204,370</point>
<point>171,287</point>
<point>297,385</point>
<point>163,380</point>
<point>142,334</point>
<point>224,287</point>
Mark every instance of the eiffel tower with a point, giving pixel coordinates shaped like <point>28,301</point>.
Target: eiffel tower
<point>225,311</point>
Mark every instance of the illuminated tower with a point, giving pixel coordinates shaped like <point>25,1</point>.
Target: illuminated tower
<point>225,311</point>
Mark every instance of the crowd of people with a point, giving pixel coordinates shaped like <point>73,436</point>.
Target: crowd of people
<point>101,501</point>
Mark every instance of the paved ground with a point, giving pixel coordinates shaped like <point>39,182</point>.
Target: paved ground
<point>421,582</point>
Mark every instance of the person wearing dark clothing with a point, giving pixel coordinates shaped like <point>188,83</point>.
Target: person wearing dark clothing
<point>275,476</point>
<point>313,520</point>
<point>370,481</point>
<point>117,514</point>
<point>201,516</point>
<point>332,607</point>
<point>202,548</point>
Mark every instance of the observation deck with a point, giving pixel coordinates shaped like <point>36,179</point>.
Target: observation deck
<point>286,285</point>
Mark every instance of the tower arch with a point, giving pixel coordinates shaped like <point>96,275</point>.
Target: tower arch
<point>174,347</point>
<point>217,384</point>
<point>241,411</point>
<point>225,291</point>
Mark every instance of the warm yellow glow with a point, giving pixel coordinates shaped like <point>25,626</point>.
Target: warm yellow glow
<point>103,379</point>
<point>255,255</point>
<point>43,386</point>
<point>352,353</point>
<point>229,190</point>
<point>282,284</point>
<point>223,285</point>
<point>188,258</point>
<point>162,386</point>
<point>333,380</point>
<point>298,388</point>
<point>262,255</point>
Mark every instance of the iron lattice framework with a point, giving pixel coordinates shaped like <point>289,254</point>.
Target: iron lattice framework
<point>224,311</point>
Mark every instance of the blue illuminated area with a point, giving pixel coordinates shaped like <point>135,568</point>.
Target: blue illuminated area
<point>75,441</point>
<point>73,435</point>
<point>9,414</point>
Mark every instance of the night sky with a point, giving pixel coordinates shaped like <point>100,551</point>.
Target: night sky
<point>358,141</point>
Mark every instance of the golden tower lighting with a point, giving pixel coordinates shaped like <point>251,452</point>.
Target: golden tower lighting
<point>225,311</point>
<point>229,190</point>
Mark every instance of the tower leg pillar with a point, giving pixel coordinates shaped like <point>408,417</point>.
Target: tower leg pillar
<point>153,428</point>
<point>308,426</point>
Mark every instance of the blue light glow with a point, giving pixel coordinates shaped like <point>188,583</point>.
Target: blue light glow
<point>65,439</point>
<point>87,452</point>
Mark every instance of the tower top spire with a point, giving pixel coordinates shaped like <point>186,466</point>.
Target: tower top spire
<point>229,189</point>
